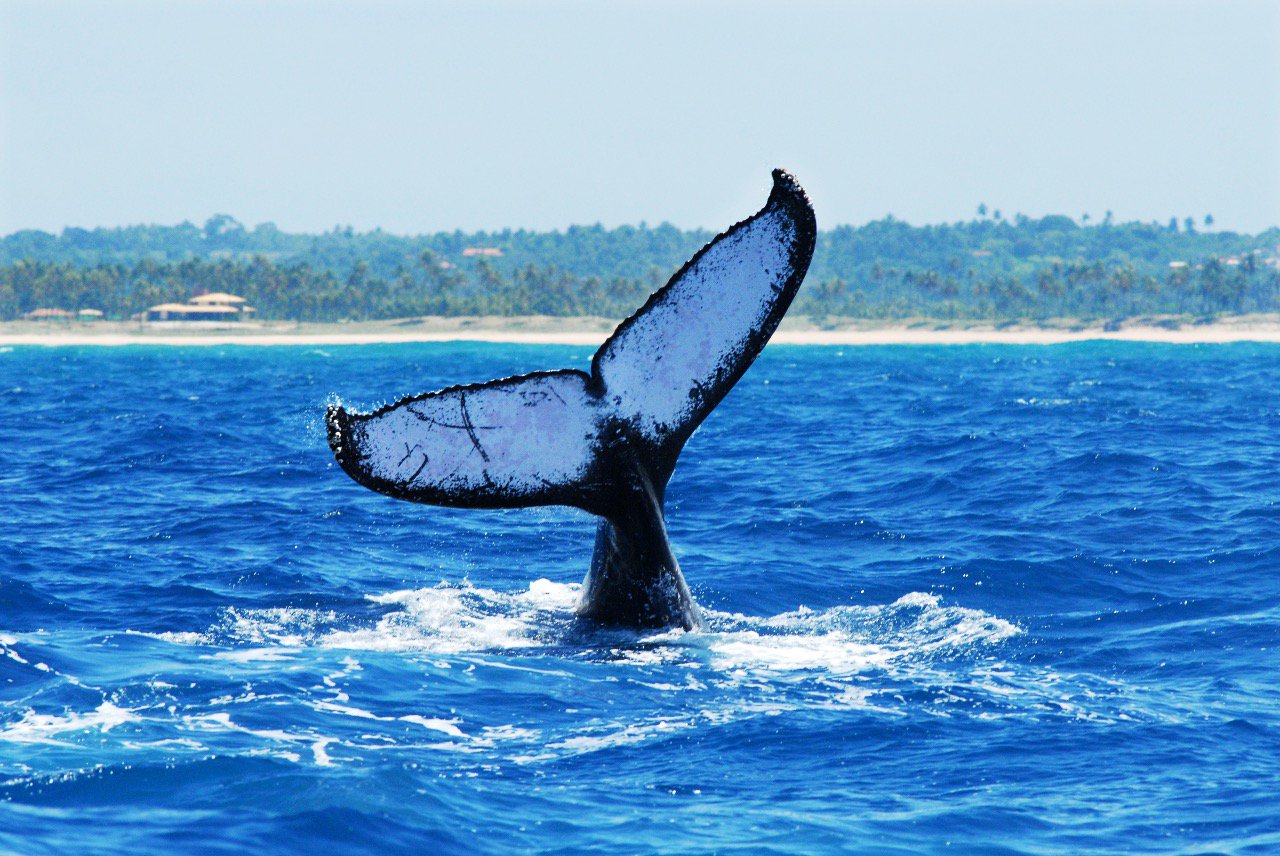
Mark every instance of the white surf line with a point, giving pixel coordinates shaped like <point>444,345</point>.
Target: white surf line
<point>1199,335</point>
<point>1196,335</point>
<point>307,339</point>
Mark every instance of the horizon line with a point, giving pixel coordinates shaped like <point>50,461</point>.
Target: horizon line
<point>1017,220</point>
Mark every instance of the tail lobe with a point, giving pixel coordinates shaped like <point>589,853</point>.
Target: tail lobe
<point>538,439</point>
<point>606,442</point>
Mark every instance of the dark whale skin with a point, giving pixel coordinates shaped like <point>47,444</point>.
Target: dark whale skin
<point>605,441</point>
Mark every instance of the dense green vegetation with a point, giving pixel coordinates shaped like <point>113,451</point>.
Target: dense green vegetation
<point>989,268</point>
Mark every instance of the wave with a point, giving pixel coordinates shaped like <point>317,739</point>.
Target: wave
<point>458,619</point>
<point>741,668</point>
<point>917,655</point>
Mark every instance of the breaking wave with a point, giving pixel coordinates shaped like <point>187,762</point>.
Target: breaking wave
<point>878,660</point>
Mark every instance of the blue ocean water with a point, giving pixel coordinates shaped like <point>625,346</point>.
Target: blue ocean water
<point>978,599</point>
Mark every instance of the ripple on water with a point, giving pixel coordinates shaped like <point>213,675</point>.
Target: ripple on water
<point>949,591</point>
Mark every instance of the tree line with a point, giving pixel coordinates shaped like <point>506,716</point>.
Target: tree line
<point>297,291</point>
<point>987,268</point>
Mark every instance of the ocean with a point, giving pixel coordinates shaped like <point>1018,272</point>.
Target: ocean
<point>978,599</point>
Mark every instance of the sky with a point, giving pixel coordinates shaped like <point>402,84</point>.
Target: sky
<point>420,117</point>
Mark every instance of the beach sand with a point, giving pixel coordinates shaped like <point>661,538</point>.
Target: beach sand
<point>538,330</point>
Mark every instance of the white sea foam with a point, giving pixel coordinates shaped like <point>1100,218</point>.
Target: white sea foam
<point>180,638</point>
<point>455,619</point>
<point>920,653</point>
<point>856,658</point>
<point>36,727</point>
<point>6,648</point>
<point>318,751</point>
<point>442,619</point>
<point>626,735</point>
<point>283,626</point>
<point>827,651</point>
<point>844,640</point>
<point>448,726</point>
<point>277,740</point>
<point>250,655</point>
<point>1050,402</point>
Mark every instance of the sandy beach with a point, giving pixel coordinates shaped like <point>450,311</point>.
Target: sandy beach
<point>547,330</point>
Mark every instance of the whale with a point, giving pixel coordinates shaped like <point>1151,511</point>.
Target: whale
<point>606,440</point>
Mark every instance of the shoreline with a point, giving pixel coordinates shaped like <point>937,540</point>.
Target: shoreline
<point>593,331</point>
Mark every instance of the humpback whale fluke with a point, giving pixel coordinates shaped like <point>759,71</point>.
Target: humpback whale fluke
<point>604,441</point>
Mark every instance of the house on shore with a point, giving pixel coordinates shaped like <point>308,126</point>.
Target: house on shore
<point>48,314</point>
<point>220,298</point>
<point>205,307</point>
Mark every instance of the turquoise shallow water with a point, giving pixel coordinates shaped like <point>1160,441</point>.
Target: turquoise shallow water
<point>973,599</point>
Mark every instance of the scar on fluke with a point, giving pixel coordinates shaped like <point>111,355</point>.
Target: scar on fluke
<point>606,441</point>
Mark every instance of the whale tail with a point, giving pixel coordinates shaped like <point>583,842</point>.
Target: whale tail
<point>604,441</point>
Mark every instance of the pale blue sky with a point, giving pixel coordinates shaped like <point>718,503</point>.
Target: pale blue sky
<point>429,116</point>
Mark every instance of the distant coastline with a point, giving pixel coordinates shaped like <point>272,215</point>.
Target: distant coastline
<point>989,268</point>
<point>549,330</point>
